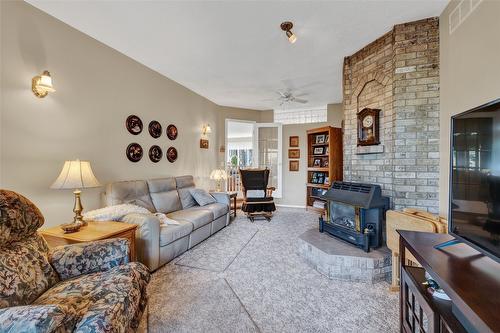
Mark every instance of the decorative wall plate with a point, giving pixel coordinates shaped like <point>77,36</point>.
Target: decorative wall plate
<point>171,154</point>
<point>172,132</point>
<point>134,152</point>
<point>155,154</point>
<point>154,129</point>
<point>133,124</point>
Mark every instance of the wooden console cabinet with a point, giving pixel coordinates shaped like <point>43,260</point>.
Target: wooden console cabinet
<point>469,278</point>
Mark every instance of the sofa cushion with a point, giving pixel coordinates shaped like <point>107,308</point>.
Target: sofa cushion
<point>187,199</point>
<point>171,233</point>
<point>25,271</point>
<point>184,181</point>
<point>195,215</point>
<point>36,318</point>
<point>217,209</point>
<point>134,192</point>
<point>110,301</point>
<point>184,184</point>
<point>164,195</point>
<point>201,196</point>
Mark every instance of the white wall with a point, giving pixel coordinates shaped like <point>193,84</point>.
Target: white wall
<point>470,73</point>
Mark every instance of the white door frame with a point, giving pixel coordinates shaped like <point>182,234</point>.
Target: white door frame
<point>279,190</point>
<point>226,154</point>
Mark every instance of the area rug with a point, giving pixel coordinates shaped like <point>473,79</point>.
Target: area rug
<point>266,287</point>
<point>217,252</point>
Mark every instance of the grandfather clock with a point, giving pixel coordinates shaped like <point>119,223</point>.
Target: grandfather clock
<point>368,127</point>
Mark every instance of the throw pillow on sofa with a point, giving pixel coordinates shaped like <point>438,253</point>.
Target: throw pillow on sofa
<point>201,196</point>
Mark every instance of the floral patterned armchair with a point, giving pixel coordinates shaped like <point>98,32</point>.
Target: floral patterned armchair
<point>88,287</point>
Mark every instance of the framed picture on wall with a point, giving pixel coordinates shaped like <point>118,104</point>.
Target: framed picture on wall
<point>294,141</point>
<point>293,153</point>
<point>293,165</point>
<point>203,143</point>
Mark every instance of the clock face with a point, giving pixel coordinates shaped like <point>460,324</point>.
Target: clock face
<point>368,121</point>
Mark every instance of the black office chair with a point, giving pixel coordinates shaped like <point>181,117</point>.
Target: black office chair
<point>257,196</point>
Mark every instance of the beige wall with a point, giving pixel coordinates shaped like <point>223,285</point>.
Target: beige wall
<point>470,73</point>
<point>97,88</point>
<point>294,182</point>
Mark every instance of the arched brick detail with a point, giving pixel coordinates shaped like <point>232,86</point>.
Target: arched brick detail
<point>380,77</point>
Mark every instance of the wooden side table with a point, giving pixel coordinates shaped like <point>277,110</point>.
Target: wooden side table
<point>233,195</point>
<point>94,231</point>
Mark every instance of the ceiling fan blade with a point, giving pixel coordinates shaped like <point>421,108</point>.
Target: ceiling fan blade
<point>300,100</point>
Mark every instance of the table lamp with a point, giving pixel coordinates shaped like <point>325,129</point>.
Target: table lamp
<point>218,175</point>
<point>76,175</point>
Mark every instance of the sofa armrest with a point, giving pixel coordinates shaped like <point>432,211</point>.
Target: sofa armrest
<point>36,318</point>
<point>147,238</point>
<point>222,197</point>
<point>84,258</point>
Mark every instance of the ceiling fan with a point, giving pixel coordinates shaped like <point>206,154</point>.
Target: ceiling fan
<point>288,97</point>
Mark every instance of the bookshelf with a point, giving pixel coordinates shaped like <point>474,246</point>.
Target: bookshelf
<point>324,162</point>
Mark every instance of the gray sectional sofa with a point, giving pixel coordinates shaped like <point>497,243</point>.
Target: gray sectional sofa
<point>158,243</point>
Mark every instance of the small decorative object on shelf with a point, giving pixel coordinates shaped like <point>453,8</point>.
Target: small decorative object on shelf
<point>172,132</point>
<point>134,124</point>
<point>70,227</point>
<point>368,127</point>
<point>134,152</point>
<point>204,143</point>
<point>317,162</point>
<point>294,141</point>
<point>171,154</point>
<point>319,150</point>
<point>320,138</point>
<point>155,129</point>
<point>293,153</point>
<point>294,165</point>
<point>155,154</point>
<point>434,289</point>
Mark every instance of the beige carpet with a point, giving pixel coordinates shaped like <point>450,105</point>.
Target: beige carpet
<point>249,278</point>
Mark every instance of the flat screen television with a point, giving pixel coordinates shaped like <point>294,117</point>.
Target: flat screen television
<point>474,215</point>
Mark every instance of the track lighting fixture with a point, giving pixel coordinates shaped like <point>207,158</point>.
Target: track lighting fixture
<point>287,28</point>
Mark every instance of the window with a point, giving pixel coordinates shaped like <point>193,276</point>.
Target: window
<point>301,116</point>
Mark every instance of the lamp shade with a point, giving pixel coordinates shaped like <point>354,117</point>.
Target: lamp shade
<point>45,82</point>
<point>75,175</point>
<point>218,174</point>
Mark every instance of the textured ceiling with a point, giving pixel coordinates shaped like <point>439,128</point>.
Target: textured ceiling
<point>233,52</point>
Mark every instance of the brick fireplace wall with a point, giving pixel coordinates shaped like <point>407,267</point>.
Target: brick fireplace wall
<point>399,74</point>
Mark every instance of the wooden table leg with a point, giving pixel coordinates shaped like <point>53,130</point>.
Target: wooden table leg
<point>234,206</point>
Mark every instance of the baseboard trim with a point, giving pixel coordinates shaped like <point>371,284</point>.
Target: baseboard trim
<point>290,206</point>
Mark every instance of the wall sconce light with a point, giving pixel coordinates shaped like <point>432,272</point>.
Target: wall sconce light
<point>206,130</point>
<point>41,85</point>
<point>204,139</point>
<point>287,28</point>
